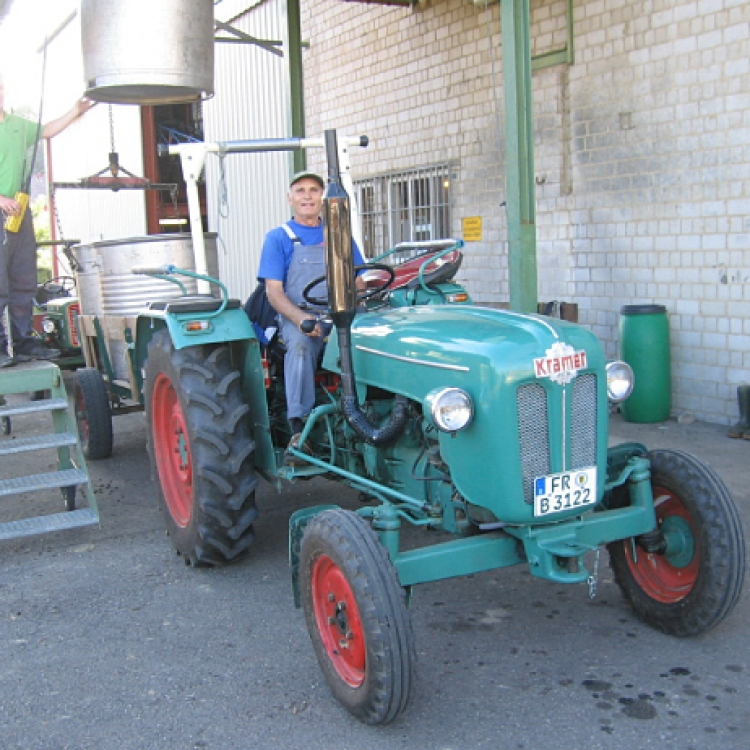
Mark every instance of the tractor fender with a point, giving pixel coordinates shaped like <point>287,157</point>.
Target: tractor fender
<point>191,329</point>
<point>233,328</point>
<point>195,329</point>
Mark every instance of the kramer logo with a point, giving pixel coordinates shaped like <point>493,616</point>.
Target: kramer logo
<point>561,363</point>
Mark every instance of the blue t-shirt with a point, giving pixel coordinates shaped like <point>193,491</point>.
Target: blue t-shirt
<point>278,248</point>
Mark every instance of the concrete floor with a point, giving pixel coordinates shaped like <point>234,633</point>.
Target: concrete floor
<point>109,642</point>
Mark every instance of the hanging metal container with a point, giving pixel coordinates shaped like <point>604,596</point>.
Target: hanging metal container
<point>146,52</point>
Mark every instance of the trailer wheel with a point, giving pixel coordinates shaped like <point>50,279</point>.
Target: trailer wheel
<point>93,414</point>
<point>694,583</point>
<point>201,450</point>
<point>356,614</point>
<point>69,497</point>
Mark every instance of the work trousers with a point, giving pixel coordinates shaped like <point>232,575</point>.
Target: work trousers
<point>18,281</point>
<point>300,363</point>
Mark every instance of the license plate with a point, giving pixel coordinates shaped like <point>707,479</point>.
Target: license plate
<point>568,490</point>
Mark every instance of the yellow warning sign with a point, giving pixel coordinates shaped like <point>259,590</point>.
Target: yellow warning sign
<point>472,228</point>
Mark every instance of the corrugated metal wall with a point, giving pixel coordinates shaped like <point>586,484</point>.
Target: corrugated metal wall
<point>251,101</point>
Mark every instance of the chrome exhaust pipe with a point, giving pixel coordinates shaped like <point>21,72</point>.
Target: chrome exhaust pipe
<point>342,301</point>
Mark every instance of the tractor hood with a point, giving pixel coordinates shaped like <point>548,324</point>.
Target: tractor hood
<point>413,350</point>
<point>538,386</point>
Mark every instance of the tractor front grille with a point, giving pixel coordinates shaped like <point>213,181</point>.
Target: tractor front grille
<point>583,426</point>
<point>533,429</point>
<point>533,432</point>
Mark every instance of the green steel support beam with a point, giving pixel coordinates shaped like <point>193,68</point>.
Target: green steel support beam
<point>519,155</point>
<point>296,89</point>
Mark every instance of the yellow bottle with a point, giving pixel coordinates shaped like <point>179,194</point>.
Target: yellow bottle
<point>13,223</point>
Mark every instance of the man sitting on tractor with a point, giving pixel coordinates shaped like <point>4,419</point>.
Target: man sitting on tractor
<point>293,255</point>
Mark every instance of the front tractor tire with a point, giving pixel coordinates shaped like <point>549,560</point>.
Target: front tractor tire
<point>356,615</point>
<point>694,580</point>
<point>201,450</point>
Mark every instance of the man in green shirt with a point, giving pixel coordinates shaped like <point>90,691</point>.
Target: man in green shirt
<point>18,249</point>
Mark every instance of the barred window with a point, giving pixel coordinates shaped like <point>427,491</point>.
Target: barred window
<point>409,206</point>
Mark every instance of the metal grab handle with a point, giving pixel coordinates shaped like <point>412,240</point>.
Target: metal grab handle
<point>167,270</point>
<point>429,261</point>
<point>160,272</point>
<point>164,270</point>
<point>426,244</point>
<point>447,244</point>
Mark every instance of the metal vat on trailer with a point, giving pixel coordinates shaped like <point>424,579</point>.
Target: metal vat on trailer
<point>117,291</point>
<point>142,52</point>
<point>109,291</point>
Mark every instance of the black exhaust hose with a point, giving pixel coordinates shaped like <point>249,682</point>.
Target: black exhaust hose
<point>342,297</point>
<point>392,429</point>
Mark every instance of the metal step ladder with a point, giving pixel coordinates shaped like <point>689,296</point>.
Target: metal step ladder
<point>71,471</point>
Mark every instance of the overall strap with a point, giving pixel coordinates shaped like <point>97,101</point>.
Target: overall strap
<point>292,236</point>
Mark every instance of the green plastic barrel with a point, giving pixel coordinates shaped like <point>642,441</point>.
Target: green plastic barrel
<point>644,345</point>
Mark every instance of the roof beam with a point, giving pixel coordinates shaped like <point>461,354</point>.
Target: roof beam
<point>240,37</point>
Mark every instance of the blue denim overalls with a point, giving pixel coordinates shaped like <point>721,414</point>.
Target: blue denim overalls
<point>302,352</point>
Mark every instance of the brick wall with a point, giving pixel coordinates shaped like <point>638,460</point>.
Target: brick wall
<point>642,154</point>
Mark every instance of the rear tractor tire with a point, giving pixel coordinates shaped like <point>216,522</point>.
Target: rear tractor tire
<point>694,581</point>
<point>356,615</point>
<point>201,449</point>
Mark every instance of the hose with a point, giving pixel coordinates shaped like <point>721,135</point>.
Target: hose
<point>387,433</point>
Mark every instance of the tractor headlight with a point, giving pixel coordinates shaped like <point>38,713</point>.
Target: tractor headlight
<point>619,381</point>
<point>450,409</point>
<point>48,325</point>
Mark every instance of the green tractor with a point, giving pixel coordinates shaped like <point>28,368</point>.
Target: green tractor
<point>56,310</point>
<point>490,426</point>
<point>57,307</point>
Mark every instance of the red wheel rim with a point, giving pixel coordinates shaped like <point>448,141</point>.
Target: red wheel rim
<point>172,451</point>
<point>338,621</point>
<point>655,575</point>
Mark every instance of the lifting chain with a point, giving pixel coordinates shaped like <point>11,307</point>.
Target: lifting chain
<point>58,223</point>
<point>173,196</point>
<point>111,129</point>
<point>222,195</point>
<point>594,577</point>
<point>72,261</point>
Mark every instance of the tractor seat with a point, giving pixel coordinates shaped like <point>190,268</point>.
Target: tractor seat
<point>442,270</point>
<point>194,303</point>
<point>407,272</point>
